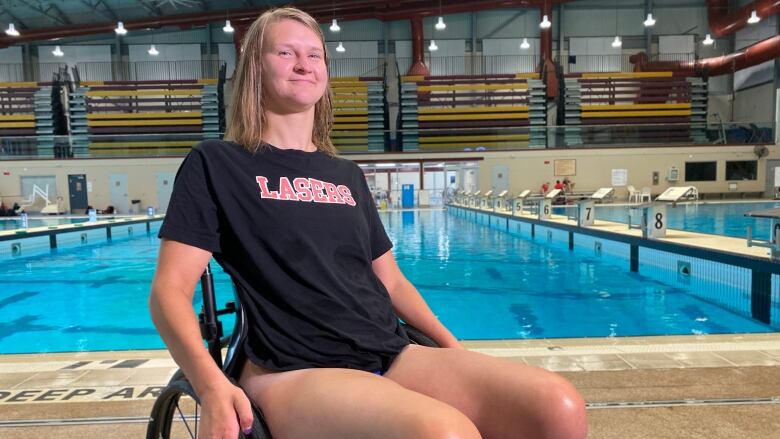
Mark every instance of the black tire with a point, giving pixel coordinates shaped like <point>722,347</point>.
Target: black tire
<point>176,414</point>
<point>418,337</point>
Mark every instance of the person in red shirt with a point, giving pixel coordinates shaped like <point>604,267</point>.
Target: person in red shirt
<point>558,185</point>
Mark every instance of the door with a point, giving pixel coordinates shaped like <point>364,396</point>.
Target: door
<point>500,179</point>
<point>164,189</point>
<point>77,187</point>
<point>119,199</point>
<point>407,196</point>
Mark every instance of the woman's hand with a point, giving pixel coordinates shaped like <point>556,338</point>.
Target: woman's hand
<point>225,410</point>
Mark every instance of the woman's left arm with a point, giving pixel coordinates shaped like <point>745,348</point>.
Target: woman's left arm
<point>408,303</point>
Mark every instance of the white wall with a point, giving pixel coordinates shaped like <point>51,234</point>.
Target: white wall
<point>48,63</point>
<point>358,59</point>
<point>504,55</point>
<point>11,55</point>
<point>754,104</point>
<point>183,61</point>
<point>168,52</point>
<point>11,66</point>
<point>227,54</point>
<point>671,45</point>
<point>607,58</point>
<point>752,34</point>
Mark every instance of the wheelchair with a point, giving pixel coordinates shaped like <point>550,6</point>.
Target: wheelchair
<point>176,411</point>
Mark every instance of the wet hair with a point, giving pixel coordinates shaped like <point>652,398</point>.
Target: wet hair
<point>247,109</point>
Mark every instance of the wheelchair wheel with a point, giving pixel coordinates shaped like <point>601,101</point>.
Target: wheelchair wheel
<point>176,414</point>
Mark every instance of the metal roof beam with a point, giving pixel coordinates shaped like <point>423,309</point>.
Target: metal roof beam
<point>104,11</point>
<point>151,8</point>
<point>16,20</point>
<point>52,12</point>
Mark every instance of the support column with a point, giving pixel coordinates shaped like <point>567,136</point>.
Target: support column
<point>761,295</point>
<point>648,30</point>
<point>238,36</point>
<point>121,69</point>
<point>547,66</point>
<point>545,37</point>
<point>209,54</point>
<point>418,48</point>
<point>561,35</point>
<point>27,66</point>
<point>474,58</point>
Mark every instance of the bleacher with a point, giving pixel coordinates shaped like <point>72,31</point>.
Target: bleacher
<point>359,113</point>
<point>634,108</point>
<point>31,114</point>
<point>472,112</point>
<point>145,117</point>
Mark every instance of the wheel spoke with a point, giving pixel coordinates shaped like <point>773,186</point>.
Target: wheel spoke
<point>184,420</point>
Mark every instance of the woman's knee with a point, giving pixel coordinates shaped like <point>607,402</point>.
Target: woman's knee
<point>563,409</point>
<point>442,423</point>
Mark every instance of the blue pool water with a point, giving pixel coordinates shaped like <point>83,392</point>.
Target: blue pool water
<point>481,282</point>
<point>714,218</point>
<point>16,222</point>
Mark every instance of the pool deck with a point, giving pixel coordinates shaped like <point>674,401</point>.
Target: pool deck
<point>708,386</point>
<point>698,386</point>
<point>70,227</point>
<point>708,241</point>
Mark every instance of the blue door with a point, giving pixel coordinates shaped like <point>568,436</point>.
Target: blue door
<point>407,196</point>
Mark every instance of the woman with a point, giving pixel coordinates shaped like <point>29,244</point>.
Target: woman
<point>297,230</point>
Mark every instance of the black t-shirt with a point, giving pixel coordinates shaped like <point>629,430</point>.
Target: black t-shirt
<point>297,231</point>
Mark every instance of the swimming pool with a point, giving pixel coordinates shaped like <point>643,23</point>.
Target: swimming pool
<point>16,223</point>
<point>715,218</point>
<point>481,282</point>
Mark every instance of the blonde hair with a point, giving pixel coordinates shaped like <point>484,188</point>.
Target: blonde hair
<point>245,127</point>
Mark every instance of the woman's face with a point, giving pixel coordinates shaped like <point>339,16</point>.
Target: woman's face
<point>294,72</point>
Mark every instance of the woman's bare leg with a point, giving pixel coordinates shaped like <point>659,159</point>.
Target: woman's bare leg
<point>345,404</point>
<point>503,399</point>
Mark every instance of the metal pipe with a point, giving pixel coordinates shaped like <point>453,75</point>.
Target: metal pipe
<point>418,66</point>
<point>758,53</point>
<point>723,23</point>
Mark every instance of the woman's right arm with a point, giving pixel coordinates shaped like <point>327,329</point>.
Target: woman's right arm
<point>179,268</point>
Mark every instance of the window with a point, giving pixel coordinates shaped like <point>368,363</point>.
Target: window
<point>701,171</point>
<point>742,170</point>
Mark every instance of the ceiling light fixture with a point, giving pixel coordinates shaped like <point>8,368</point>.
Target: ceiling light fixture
<point>120,28</point>
<point>334,26</point>
<point>708,41</point>
<point>340,48</point>
<point>153,51</point>
<point>57,51</point>
<point>433,47</point>
<point>545,24</point>
<point>11,31</point>
<point>440,25</point>
<point>754,18</point>
<point>650,21</point>
<point>525,45</point>
<point>616,43</point>
<point>228,29</point>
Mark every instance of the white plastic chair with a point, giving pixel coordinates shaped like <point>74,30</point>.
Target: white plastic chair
<point>633,194</point>
<point>647,194</point>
